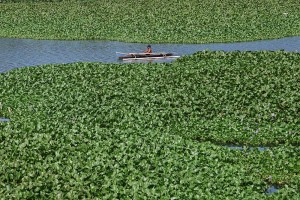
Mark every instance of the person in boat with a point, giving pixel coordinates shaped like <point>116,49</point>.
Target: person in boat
<point>149,49</point>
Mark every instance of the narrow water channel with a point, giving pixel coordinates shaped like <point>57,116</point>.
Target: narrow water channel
<point>15,53</point>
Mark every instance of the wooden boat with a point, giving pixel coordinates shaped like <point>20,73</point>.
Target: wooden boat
<point>125,56</point>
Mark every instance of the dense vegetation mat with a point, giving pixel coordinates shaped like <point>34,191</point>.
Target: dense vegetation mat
<point>153,131</point>
<point>194,21</point>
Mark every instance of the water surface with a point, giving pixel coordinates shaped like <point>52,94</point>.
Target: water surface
<point>4,119</point>
<point>242,148</point>
<point>15,53</point>
<point>272,189</point>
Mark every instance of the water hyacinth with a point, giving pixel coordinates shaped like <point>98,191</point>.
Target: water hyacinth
<point>191,21</point>
<point>153,131</point>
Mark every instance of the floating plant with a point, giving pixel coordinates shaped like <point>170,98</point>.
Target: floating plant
<point>118,20</point>
<point>109,131</point>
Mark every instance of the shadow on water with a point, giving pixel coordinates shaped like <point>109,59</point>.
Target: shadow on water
<point>16,53</point>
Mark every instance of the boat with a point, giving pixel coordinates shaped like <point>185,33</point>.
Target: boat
<point>138,56</point>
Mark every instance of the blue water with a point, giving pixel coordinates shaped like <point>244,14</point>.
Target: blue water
<point>4,119</point>
<point>241,148</point>
<point>272,189</point>
<point>15,53</point>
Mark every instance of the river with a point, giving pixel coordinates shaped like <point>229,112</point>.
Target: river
<point>16,53</point>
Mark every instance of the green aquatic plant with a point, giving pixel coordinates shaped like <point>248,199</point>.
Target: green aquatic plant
<point>134,131</point>
<point>152,22</point>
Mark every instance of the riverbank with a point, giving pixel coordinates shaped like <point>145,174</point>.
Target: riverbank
<point>159,130</point>
<point>154,22</point>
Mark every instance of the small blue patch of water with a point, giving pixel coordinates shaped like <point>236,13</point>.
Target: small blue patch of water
<point>4,120</point>
<point>236,147</point>
<point>241,148</point>
<point>261,148</point>
<point>272,189</point>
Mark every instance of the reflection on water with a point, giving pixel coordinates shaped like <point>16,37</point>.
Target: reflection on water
<point>16,53</point>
